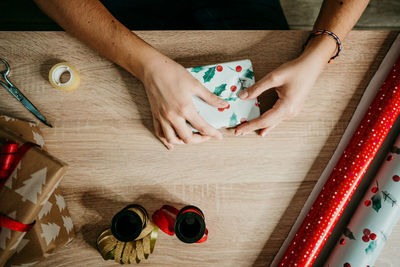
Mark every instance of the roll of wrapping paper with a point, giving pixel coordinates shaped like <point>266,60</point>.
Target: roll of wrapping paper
<point>373,219</point>
<point>132,252</point>
<point>346,175</point>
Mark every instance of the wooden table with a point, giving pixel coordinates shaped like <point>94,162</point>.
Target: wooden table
<point>251,189</point>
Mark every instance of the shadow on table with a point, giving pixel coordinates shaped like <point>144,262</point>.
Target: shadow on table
<point>292,211</point>
<point>107,207</point>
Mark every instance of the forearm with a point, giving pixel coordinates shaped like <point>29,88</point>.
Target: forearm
<point>338,17</point>
<point>90,22</point>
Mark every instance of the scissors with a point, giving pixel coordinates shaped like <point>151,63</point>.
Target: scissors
<point>18,95</point>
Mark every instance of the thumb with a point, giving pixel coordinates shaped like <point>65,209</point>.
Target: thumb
<point>211,99</point>
<point>269,81</point>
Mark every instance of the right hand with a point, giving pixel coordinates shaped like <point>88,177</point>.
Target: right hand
<point>170,89</point>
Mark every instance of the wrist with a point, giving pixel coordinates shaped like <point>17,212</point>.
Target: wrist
<point>320,48</point>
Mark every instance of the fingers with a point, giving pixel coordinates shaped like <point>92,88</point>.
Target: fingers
<point>159,133</point>
<point>210,98</point>
<point>176,131</point>
<point>269,81</point>
<point>169,133</point>
<point>265,131</point>
<point>267,121</point>
<point>202,126</point>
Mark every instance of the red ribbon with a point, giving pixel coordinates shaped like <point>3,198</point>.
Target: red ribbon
<point>10,156</point>
<point>166,222</point>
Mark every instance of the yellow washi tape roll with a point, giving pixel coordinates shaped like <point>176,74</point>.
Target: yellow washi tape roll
<point>55,77</point>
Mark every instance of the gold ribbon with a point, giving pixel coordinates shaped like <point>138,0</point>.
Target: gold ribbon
<point>127,252</point>
<point>147,224</point>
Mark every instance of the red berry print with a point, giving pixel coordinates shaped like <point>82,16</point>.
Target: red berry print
<point>367,203</point>
<point>222,109</point>
<point>372,236</point>
<point>374,189</point>
<point>238,68</point>
<point>342,241</point>
<point>365,238</point>
<point>219,68</point>
<point>396,178</point>
<point>366,231</point>
<point>257,104</point>
<point>346,264</point>
<point>233,88</point>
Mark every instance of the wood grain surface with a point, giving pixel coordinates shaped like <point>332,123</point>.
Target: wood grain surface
<point>251,189</point>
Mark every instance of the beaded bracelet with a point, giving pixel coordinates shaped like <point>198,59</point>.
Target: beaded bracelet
<point>334,36</point>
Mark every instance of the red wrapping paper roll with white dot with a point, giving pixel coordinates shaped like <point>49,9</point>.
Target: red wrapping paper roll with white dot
<point>347,174</point>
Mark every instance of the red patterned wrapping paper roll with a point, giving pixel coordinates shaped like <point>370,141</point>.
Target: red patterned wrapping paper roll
<point>347,174</point>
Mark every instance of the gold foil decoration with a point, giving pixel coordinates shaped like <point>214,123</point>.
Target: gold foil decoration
<point>127,252</point>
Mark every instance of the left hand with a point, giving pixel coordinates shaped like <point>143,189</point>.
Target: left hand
<point>292,81</point>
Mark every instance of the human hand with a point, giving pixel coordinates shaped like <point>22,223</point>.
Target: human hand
<point>170,89</point>
<point>292,81</point>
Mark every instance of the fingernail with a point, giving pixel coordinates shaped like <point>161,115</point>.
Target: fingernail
<point>263,134</point>
<point>222,103</point>
<point>237,133</point>
<point>243,94</point>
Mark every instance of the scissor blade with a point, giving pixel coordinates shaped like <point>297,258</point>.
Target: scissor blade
<point>18,95</point>
<point>35,111</point>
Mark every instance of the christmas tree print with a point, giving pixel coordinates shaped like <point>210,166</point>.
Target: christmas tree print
<point>219,89</point>
<point>67,223</point>
<point>5,232</point>
<point>13,176</point>
<point>233,120</point>
<point>33,186</point>
<point>50,232</point>
<point>249,74</point>
<point>51,192</point>
<point>46,208</point>
<point>60,202</point>
<point>348,233</point>
<point>38,139</point>
<point>197,69</point>
<point>209,74</point>
<point>20,240</point>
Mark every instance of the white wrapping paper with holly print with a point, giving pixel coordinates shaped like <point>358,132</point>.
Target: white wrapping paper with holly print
<point>226,80</point>
<point>374,218</point>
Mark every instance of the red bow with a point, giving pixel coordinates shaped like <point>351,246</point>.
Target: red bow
<point>10,156</point>
<point>166,223</point>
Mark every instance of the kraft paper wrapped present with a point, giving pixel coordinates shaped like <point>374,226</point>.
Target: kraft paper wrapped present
<point>53,228</point>
<point>25,129</point>
<point>28,188</point>
<point>227,80</point>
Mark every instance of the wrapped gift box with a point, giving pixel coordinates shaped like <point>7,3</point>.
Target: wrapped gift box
<point>227,80</point>
<point>27,190</point>
<point>53,229</point>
